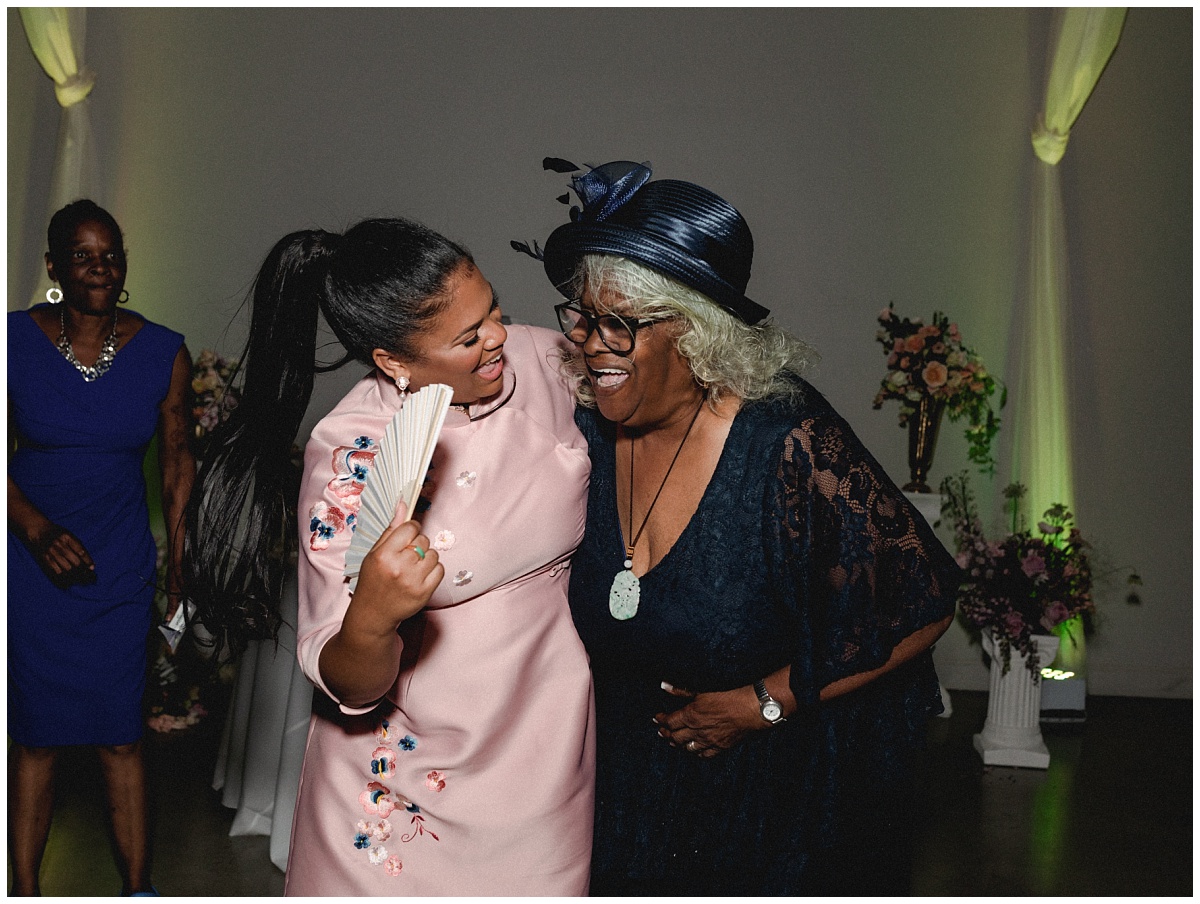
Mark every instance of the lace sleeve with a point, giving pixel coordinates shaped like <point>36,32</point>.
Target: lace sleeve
<point>861,568</point>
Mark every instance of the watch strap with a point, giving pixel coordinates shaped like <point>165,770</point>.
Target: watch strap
<point>760,689</point>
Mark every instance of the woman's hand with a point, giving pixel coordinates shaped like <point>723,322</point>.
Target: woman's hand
<point>711,722</point>
<point>63,557</point>
<point>57,551</point>
<point>397,577</point>
<point>361,661</point>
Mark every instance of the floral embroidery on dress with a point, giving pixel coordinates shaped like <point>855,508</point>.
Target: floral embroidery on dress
<point>325,521</point>
<point>383,762</point>
<point>351,465</point>
<point>380,801</point>
<point>376,799</point>
<point>379,831</point>
<point>443,540</point>
<point>466,479</point>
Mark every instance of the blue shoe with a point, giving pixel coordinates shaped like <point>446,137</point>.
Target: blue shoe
<point>152,893</point>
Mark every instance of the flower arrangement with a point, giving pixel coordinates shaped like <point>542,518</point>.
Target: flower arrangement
<point>930,360</point>
<point>213,394</point>
<point>175,702</point>
<point>179,677</point>
<point>1023,584</point>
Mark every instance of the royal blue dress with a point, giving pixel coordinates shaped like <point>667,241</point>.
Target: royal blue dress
<point>77,657</point>
<point>802,552</point>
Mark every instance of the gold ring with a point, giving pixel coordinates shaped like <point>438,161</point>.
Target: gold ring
<point>693,746</point>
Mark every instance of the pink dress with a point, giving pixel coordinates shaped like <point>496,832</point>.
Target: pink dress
<point>475,776</point>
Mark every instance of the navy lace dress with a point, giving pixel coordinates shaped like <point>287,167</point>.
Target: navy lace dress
<point>803,553</point>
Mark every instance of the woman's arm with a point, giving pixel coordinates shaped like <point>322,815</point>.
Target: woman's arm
<point>177,466</point>
<point>360,662</point>
<point>56,549</point>
<point>717,721</point>
<point>913,645</point>
<point>864,575</point>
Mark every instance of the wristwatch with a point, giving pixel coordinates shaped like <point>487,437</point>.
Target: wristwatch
<point>768,705</point>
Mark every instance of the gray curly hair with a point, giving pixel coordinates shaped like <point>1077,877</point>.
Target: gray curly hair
<point>727,357</point>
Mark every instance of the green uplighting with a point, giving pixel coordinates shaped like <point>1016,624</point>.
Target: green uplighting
<point>1056,674</point>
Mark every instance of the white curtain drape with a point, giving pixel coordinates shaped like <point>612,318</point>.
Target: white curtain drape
<point>56,37</point>
<point>1084,41</point>
<point>1080,49</point>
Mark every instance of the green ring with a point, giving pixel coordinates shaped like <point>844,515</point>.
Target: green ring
<point>419,551</point>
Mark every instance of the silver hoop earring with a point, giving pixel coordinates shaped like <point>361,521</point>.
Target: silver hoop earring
<point>54,295</point>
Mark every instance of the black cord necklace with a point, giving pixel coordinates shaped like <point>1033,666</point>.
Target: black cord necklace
<point>626,591</point>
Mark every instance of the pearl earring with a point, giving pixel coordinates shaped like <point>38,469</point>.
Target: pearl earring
<point>402,384</point>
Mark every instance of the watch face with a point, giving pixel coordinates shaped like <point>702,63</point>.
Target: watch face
<point>772,711</point>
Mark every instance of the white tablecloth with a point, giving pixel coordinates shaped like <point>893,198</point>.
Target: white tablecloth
<point>262,748</point>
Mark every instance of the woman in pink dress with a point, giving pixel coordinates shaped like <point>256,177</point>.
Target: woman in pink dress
<point>451,749</point>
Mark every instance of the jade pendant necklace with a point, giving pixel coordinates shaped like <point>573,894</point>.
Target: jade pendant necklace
<point>626,591</point>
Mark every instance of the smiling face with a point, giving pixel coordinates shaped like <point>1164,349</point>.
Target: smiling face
<point>462,345</point>
<point>646,388</point>
<point>90,268</point>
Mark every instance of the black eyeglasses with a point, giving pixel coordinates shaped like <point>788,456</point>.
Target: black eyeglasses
<point>616,334</point>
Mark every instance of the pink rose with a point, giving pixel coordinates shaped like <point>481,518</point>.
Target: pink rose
<point>1014,623</point>
<point>934,374</point>
<point>1033,564</point>
<point>1055,614</point>
<point>914,343</point>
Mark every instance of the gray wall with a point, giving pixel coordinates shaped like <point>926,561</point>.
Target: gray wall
<point>879,155</point>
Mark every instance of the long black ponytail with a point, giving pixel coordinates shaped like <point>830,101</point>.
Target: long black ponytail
<point>377,286</point>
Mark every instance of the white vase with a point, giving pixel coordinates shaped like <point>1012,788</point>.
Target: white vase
<point>1012,734</point>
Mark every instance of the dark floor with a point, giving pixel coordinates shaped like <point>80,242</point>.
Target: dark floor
<point>1111,816</point>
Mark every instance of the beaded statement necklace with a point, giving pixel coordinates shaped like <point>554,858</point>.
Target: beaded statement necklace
<point>626,591</point>
<point>108,351</point>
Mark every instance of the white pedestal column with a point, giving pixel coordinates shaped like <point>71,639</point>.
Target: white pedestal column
<point>1012,735</point>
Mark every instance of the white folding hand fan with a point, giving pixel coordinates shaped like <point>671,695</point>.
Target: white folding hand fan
<point>398,470</point>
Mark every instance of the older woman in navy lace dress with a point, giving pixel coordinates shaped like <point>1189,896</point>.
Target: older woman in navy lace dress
<point>757,597</point>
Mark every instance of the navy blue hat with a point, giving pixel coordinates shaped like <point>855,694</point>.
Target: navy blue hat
<point>675,228</point>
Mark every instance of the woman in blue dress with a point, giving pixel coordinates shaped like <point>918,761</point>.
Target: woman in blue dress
<point>89,385</point>
<point>757,598</point>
